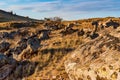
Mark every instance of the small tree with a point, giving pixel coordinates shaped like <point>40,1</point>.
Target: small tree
<point>47,19</point>
<point>53,19</point>
<point>11,12</point>
<point>57,19</point>
<point>27,16</point>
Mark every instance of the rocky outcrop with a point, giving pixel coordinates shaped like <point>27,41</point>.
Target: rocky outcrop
<point>69,29</point>
<point>7,65</point>
<point>53,25</point>
<point>33,44</point>
<point>44,34</point>
<point>4,35</point>
<point>95,24</point>
<point>4,46</point>
<point>96,59</point>
<point>109,23</point>
<point>10,69</point>
<point>81,32</point>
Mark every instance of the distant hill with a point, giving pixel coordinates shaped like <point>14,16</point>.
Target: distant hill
<point>9,16</point>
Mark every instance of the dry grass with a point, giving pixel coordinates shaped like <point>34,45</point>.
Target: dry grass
<point>52,56</point>
<point>56,50</point>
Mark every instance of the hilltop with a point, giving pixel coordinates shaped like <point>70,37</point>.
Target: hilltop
<point>10,16</point>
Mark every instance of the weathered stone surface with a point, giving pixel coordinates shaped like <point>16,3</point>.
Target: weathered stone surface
<point>33,44</point>
<point>9,35</point>
<point>45,34</point>
<point>3,60</point>
<point>4,35</point>
<point>4,46</point>
<point>5,71</point>
<point>96,59</point>
<point>6,66</point>
<point>81,32</point>
<point>10,69</point>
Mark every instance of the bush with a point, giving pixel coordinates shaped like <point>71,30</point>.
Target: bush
<point>53,19</point>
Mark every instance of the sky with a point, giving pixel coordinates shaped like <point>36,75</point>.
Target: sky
<point>66,9</point>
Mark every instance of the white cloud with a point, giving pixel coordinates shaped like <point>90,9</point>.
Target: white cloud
<point>37,6</point>
<point>65,8</point>
<point>2,3</point>
<point>72,5</point>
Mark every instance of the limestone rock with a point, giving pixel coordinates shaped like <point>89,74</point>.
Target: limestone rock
<point>6,60</point>
<point>10,69</point>
<point>7,65</point>
<point>4,35</point>
<point>4,46</point>
<point>96,59</point>
<point>33,44</point>
<point>45,34</point>
<point>5,71</point>
<point>3,60</point>
<point>81,32</point>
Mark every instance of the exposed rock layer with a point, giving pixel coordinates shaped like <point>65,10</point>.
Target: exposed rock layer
<point>96,59</point>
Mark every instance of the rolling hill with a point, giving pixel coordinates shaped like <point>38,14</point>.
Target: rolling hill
<point>9,16</point>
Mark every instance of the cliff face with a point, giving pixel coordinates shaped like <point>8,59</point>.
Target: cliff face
<point>96,59</point>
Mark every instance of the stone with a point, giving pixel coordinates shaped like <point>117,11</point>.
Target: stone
<point>3,60</point>
<point>4,46</point>
<point>81,32</point>
<point>33,43</point>
<point>5,71</point>
<point>10,69</point>
<point>94,35</point>
<point>45,34</point>
<point>96,59</point>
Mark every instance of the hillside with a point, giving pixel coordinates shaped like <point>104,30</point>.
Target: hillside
<point>96,59</point>
<point>60,50</point>
<point>9,16</point>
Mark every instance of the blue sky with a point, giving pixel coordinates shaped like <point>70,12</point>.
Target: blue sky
<point>66,9</point>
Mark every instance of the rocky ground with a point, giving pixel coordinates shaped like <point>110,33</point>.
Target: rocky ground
<point>52,50</point>
<point>96,59</point>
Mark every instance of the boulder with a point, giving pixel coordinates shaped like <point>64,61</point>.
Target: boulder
<point>3,60</point>
<point>112,23</point>
<point>81,32</point>
<point>45,34</point>
<point>6,60</point>
<point>13,34</point>
<point>68,31</point>
<point>10,69</point>
<point>94,35</point>
<point>33,44</point>
<point>4,46</point>
<point>5,71</point>
<point>4,35</point>
<point>8,35</point>
<point>22,43</point>
<point>7,65</point>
